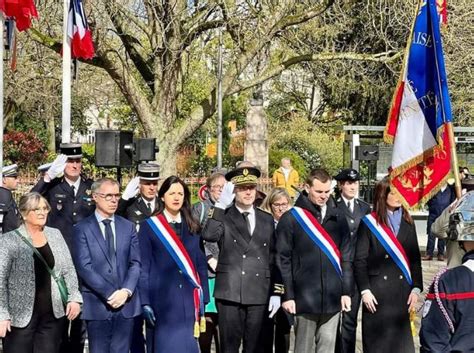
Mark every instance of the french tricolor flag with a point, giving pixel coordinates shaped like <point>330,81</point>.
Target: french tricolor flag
<point>78,30</point>
<point>420,112</point>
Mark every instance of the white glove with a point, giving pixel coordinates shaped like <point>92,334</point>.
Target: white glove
<point>132,188</point>
<point>57,167</point>
<point>274,305</point>
<point>227,196</point>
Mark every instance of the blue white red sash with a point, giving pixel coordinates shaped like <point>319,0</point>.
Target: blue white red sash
<point>390,243</point>
<point>180,255</point>
<point>319,236</point>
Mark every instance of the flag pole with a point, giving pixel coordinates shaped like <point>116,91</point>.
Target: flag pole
<point>454,159</point>
<point>66,98</point>
<point>2,49</point>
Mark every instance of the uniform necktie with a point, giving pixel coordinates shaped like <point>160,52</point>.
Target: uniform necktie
<point>246,217</point>
<point>349,206</point>
<point>73,188</point>
<point>148,206</point>
<point>109,240</point>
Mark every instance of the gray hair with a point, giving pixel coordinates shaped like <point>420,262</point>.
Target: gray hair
<point>96,185</point>
<point>30,201</point>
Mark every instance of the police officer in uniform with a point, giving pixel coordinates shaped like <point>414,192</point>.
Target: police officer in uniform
<point>245,270</point>
<point>69,194</point>
<point>354,210</point>
<point>139,199</point>
<point>137,208</point>
<point>10,217</point>
<point>447,322</point>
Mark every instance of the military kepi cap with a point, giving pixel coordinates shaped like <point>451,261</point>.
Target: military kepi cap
<point>71,150</point>
<point>44,167</point>
<point>348,175</point>
<point>149,171</point>
<point>243,176</point>
<point>10,171</point>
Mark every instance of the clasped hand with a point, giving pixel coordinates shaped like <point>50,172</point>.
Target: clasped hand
<point>118,298</point>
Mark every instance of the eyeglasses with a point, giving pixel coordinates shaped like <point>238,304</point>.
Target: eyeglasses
<point>108,197</point>
<point>280,205</point>
<point>40,210</point>
<point>217,187</point>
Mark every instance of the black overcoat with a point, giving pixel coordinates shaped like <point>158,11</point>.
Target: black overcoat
<point>389,326</point>
<point>10,216</point>
<point>308,276</point>
<point>245,270</point>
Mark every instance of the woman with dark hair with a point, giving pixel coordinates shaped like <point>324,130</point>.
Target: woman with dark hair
<point>387,269</point>
<point>173,282</point>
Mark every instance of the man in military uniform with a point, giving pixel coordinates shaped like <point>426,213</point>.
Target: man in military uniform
<point>137,208</point>
<point>447,322</point>
<point>69,194</point>
<point>354,210</point>
<point>245,270</point>
<point>139,199</point>
<point>10,217</point>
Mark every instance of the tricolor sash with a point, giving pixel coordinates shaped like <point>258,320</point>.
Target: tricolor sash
<point>179,254</point>
<point>319,236</point>
<point>390,243</point>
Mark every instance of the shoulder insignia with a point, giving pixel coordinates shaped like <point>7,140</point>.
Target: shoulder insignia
<point>210,213</point>
<point>138,213</point>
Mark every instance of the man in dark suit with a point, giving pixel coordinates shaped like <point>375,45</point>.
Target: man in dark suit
<point>353,209</point>
<point>316,289</point>
<point>69,194</point>
<point>137,208</point>
<point>245,269</point>
<point>107,258</point>
<point>10,217</point>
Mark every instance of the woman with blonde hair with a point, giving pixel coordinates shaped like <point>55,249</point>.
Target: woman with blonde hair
<point>277,331</point>
<point>38,282</point>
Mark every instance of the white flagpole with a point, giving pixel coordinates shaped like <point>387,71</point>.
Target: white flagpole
<point>66,101</point>
<point>2,48</point>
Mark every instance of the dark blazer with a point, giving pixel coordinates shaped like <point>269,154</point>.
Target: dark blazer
<point>308,275</point>
<point>246,268</point>
<point>95,269</point>
<point>11,218</point>
<point>135,210</point>
<point>165,288</point>
<point>66,209</point>
<point>374,269</point>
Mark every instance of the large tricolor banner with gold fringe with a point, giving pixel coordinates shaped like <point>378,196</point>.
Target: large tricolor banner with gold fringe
<point>420,110</point>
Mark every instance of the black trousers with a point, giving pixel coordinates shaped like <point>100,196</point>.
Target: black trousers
<point>240,323</point>
<point>41,335</point>
<point>277,330</point>
<point>74,336</point>
<point>212,332</point>
<point>347,340</point>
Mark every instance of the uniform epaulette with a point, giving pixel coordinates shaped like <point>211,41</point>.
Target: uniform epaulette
<point>279,289</point>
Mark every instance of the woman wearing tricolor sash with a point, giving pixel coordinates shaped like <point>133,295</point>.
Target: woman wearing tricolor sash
<point>387,268</point>
<point>173,284</point>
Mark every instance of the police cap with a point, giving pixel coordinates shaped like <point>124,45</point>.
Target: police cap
<point>71,150</point>
<point>149,171</point>
<point>348,175</point>
<point>243,176</point>
<point>10,171</point>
